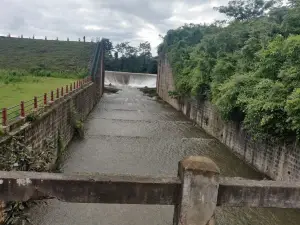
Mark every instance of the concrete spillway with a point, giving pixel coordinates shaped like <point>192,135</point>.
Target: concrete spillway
<point>130,79</point>
<point>129,133</point>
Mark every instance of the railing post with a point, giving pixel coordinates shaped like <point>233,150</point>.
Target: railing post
<point>22,110</point>
<point>4,117</point>
<point>57,93</point>
<point>71,87</point>
<point>62,92</point>
<point>74,86</point>
<point>52,97</point>
<point>45,99</point>
<point>67,89</point>
<point>35,100</point>
<point>199,192</point>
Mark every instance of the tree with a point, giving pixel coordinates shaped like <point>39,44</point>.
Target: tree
<point>293,109</point>
<point>145,51</point>
<point>116,55</point>
<point>121,48</point>
<point>127,58</point>
<point>294,3</point>
<point>145,48</point>
<point>277,14</point>
<point>108,45</point>
<point>246,9</point>
<point>291,21</point>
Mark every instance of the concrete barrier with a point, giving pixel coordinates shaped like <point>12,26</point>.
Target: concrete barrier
<point>195,193</point>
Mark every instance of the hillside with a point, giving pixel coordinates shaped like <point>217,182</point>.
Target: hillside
<point>25,54</point>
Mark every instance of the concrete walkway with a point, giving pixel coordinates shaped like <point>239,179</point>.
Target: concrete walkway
<point>129,133</point>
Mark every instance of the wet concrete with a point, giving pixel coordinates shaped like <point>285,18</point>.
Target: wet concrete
<point>129,133</point>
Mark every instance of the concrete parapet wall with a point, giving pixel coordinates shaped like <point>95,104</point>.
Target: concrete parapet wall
<point>278,161</point>
<point>195,193</point>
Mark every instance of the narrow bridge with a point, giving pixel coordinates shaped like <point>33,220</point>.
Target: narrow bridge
<point>140,141</point>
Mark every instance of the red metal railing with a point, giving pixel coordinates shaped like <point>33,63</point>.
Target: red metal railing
<point>12,114</point>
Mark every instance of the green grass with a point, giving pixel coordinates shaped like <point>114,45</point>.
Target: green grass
<point>13,93</point>
<point>25,54</point>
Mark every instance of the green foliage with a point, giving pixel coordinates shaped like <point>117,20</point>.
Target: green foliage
<point>249,68</point>
<point>173,94</point>
<point>226,96</point>
<point>264,109</point>
<point>246,9</point>
<point>19,76</point>
<point>77,122</point>
<point>293,109</point>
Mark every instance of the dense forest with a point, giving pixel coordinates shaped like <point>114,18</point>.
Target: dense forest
<point>126,58</point>
<point>247,65</point>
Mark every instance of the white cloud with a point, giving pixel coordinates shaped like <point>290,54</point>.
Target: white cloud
<point>93,27</point>
<point>118,20</point>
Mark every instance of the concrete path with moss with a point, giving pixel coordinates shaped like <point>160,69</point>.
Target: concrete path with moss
<point>129,133</point>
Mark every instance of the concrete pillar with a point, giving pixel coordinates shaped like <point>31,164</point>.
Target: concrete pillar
<point>198,198</point>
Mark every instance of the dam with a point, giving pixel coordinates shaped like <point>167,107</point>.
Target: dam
<point>133,134</point>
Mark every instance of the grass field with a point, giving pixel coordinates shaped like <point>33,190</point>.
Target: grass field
<point>17,53</point>
<point>12,93</point>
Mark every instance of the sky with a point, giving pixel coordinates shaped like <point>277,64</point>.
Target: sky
<point>119,20</point>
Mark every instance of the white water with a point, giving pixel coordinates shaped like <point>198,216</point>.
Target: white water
<point>130,79</point>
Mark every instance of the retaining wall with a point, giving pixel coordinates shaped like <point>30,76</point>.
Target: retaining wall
<point>278,161</point>
<point>55,125</point>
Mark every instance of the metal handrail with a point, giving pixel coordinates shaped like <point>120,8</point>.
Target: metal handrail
<point>15,113</point>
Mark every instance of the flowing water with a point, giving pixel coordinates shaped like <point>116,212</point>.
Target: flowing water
<point>124,79</point>
<point>129,133</point>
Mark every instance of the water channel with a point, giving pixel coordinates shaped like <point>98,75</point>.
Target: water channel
<point>129,133</point>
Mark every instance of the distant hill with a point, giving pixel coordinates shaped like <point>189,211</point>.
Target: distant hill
<point>22,53</point>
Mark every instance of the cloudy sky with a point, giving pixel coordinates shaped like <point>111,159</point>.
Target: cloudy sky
<point>118,20</point>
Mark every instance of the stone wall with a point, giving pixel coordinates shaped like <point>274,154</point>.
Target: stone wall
<point>278,161</point>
